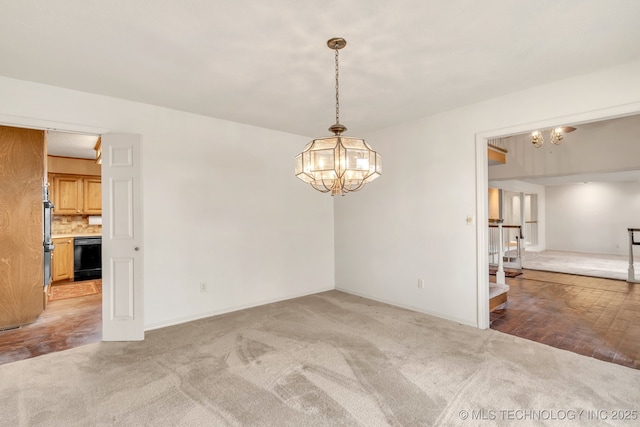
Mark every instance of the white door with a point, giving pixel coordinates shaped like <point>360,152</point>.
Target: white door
<point>122,274</point>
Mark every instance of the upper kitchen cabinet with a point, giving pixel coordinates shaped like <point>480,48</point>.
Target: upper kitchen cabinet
<point>75,186</point>
<point>67,195</point>
<point>92,192</point>
<point>76,195</point>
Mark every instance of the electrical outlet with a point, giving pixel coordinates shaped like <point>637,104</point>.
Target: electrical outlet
<point>420,283</point>
<point>203,286</point>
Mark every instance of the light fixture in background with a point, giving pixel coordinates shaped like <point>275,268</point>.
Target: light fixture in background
<point>555,135</point>
<point>338,164</point>
<point>98,148</point>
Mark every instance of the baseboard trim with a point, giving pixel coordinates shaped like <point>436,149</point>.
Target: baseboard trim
<point>408,307</point>
<point>186,319</point>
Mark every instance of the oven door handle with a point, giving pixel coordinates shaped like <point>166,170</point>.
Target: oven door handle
<point>86,242</point>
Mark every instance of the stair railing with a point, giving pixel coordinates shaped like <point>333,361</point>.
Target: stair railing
<point>505,246</point>
<point>631,275</point>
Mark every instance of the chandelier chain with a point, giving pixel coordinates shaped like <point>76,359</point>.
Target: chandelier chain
<point>337,164</point>
<point>337,91</point>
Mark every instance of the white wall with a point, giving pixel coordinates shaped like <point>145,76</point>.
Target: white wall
<point>592,217</point>
<point>411,222</point>
<point>221,204</point>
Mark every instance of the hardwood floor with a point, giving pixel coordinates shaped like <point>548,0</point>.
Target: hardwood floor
<point>586,315</point>
<point>65,324</point>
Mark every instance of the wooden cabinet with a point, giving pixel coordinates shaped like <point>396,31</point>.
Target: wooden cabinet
<point>76,194</point>
<point>67,195</point>
<point>62,261</point>
<point>92,191</point>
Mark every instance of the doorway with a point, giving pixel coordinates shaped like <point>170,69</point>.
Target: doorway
<point>122,307</point>
<point>561,309</point>
<point>482,199</point>
<point>72,313</point>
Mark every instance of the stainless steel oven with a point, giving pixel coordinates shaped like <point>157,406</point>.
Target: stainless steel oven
<point>47,245</point>
<point>87,258</point>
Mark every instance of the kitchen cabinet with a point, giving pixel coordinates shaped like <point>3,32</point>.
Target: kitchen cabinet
<point>76,194</point>
<point>92,192</point>
<point>67,195</point>
<point>62,261</point>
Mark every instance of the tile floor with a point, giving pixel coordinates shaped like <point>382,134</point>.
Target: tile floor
<point>593,316</point>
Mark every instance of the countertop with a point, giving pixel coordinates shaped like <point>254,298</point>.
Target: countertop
<point>64,236</point>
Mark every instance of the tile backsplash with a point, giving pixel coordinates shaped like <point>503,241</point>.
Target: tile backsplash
<point>73,224</point>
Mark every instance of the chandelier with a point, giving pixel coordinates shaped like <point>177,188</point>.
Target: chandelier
<point>338,164</point>
<point>555,136</point>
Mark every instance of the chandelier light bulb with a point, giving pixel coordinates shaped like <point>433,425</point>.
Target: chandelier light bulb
<point>537,139</point>
<point>555,136</point>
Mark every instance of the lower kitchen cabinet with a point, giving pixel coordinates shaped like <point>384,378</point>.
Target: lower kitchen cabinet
<point>62,261</point>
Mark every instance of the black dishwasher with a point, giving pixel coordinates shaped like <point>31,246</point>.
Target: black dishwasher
<point>87,258</point>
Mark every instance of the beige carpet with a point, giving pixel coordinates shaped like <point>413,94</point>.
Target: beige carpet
<point>323,360</point>
<point>581,263</point>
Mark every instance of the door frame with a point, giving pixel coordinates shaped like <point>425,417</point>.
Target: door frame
<point>482,186</point>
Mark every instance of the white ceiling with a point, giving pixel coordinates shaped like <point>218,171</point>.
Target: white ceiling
<point>266,63</point>
<point>66,144</point>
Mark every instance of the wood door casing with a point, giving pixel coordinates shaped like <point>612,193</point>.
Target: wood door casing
<point>21,216</point>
